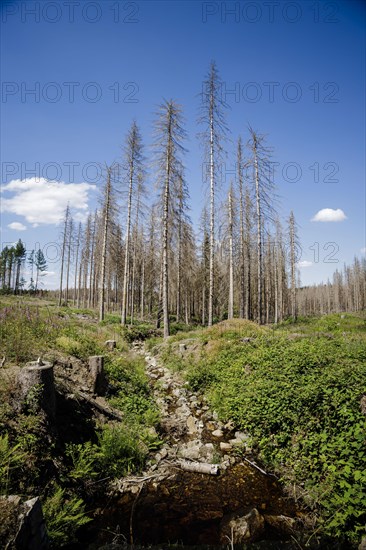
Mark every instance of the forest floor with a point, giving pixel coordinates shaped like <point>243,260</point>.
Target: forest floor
<point>233,434</point>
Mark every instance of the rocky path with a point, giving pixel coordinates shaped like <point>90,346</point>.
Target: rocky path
<point>194,437</point>
<point>197,489</point>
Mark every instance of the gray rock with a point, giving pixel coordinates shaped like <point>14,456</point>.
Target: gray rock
<point>191,425</point>
<point>242,529</point>
<point>32,534</point>
<point>236,442</point>
<point>283,524</point>
<point>242,436</point>
<point>218,433</point>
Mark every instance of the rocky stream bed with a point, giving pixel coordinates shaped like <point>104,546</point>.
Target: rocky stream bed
<point>202,489</point>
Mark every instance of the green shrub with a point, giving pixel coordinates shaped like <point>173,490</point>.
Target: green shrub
<point>84,457</point>
<point>137,332</point>
<point>300,401</point>
<point>64,516</point>
<point>121,450</point>
<point>11,459</point>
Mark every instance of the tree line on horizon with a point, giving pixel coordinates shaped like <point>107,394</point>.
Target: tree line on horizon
<point>240,262</point>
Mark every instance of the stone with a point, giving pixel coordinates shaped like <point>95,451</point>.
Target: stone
<point>236,442</point>
<point>225,446</point>
<point>191,450</point>
<point>32,534</point>
<point>363,404</point>
<point>229,425</point>
<point>37,386</point>
<point>282,524</point>
<point>110,344</point>
<point>218,433</point>
<point>242,436</point>
<point>182,348</point>
<point>242,529</point>
<point>362,545</point>
<point>210,426</point>
<point>191,425</point>
<point>163,452</point>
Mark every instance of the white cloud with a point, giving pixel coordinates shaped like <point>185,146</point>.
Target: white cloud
<point>304,263</point>
<point>329,215</point>
<point>41,201</point>
<point>363,250</point>
<point>17,226</point>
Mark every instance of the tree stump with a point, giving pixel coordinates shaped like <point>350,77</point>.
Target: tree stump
<point>99,382</point>
<point>37,386</point>
<point>110,344</point>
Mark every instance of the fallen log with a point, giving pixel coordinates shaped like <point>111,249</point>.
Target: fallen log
<point>200,467</point>
<point>106,411</point>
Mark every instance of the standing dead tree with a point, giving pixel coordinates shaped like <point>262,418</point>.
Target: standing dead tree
<point>133,166</point>
<point>263,191</point>
<point>169,135</point>
<point>213,120</point>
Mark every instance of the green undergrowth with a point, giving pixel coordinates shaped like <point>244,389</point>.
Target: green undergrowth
<point>68,467</point>
<point>296,389</point>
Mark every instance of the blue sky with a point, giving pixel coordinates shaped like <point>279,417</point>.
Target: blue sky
<point>296,71</point>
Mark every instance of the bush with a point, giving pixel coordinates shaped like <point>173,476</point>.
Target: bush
<point>120,450</point>
<point>300,401</point>
<point>64,516</point>
<point>139,332</point>
<point>11,459</point>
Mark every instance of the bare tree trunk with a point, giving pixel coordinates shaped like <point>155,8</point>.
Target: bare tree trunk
<point>165,248</point>
<point>76,264</point>
<point>66,221</point>
<point>92,264</point>
<point>241,221</point>
<point>292,231</point>
<point>127,248</point>
<point>212,221</point>
<point>104,246</point>
<point>248,258</point>
<point>142,307</point>
<point>259,237</point>
<point>230,314</point>
<point>160,302</point>
<point>71,231</point>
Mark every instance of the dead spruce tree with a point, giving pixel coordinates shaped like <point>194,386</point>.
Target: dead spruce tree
<point>212,118</point>
<point>70,237</point>
<point>169,135</point>
<point>77,266</point>
<point>181,219</point>
<point>293,244</point>
<point>240,186</point>
<point>230,215</point>
<point>133,167</point>
<point>106,214</point>
<point>63,250</point>
<point>263,191</point>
